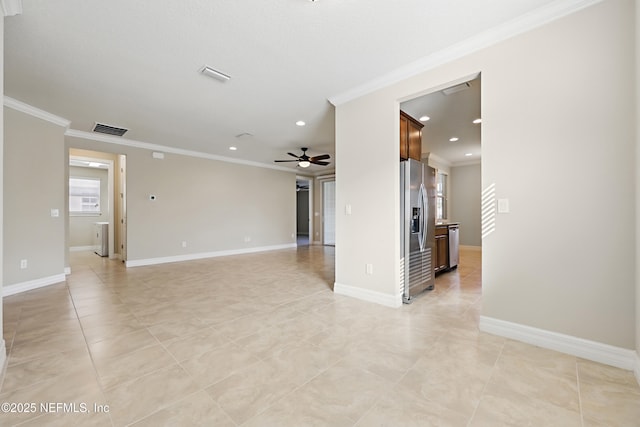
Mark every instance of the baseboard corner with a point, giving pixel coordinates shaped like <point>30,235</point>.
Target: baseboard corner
<point>387,300</point>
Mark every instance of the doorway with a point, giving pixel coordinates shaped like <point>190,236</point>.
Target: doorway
<point>451,144</point>
<point>97,198</point>
<point>329,213</point>
<point>304,203</point>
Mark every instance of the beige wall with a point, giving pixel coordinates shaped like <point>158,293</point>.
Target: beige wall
<point>558,137</point>
<point>465,188</point>
<point>211,205</point>
<point>34,183</point>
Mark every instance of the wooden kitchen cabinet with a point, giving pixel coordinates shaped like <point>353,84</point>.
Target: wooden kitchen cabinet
<point>410,137</point>
<point>442,249</point>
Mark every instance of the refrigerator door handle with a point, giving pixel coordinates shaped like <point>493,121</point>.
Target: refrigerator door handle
<point>422,236</point>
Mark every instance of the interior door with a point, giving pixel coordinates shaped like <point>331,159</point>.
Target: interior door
<point>329,212</point>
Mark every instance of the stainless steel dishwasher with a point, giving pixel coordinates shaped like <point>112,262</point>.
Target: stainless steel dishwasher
<point>454,240</point>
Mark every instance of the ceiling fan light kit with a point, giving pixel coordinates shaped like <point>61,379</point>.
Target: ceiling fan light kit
<point>304,161</point>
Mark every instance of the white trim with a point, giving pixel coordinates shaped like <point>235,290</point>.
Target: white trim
<point>476,161</point>
<point>438,160</point>
<point>536,18</point>
<point>393,301</point>
<point>11,7</point>
<point>202,255</point>
<point>109,139</point>
<point>32,284</point>
<point>81,248</point>
<point>586,349</point>
<point>35,112</point>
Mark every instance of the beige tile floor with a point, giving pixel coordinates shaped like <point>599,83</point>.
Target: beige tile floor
<point>261,340</point>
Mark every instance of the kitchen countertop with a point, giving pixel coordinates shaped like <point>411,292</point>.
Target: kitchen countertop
<point>446,223</point>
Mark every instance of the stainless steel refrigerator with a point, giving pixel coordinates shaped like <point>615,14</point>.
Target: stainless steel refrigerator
<point>417,228</point>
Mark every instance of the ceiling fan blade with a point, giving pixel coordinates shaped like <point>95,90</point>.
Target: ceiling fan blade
<point>320,157</point>
<point>282,161</point>
<point>293,155</point>
<point>316,162</point>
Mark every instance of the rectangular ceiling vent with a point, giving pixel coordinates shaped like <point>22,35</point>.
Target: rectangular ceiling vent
<point>109,130</point>
<point>456,88</point>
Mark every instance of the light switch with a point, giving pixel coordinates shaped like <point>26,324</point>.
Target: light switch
<point>503,205</point>
<point>347,209</point>
<point>55,213</point>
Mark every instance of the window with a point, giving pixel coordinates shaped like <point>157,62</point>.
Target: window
<point>441,196</point>
<point>84,196</point>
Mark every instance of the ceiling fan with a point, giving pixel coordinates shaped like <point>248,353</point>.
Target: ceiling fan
<point>305,161</point>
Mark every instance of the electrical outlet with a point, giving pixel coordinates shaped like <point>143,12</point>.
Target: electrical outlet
<point>369,268</point>
<point>247,239</point>
<point>184,244</point>
<point>23,264</point>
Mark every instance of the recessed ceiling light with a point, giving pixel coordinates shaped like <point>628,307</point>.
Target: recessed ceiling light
<point>233,148</point>
<point>477,121</point>
<point>468,154</point>
<point>454,139</point>
<point>425,118</point>
<point>300,123</point>
<point>210,72</point>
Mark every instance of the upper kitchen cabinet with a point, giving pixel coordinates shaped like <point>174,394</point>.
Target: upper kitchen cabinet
<point>410,137</point>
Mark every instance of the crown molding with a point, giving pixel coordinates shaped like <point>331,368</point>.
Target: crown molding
<point>466,163</point>
<point>11,7</point>
<point>529,21</point>
<point>437,159</point>
<point>109,139</point>
<point>35,112</point>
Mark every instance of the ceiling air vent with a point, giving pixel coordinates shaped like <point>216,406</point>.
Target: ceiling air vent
<point>109,130</point>
<point>456,88</point>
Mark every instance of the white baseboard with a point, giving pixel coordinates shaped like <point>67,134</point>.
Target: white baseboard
<point>586,349</point>
<point>637,369</point>
<point>81,248</point>
<point>32,284</point>
<point>202,255</point>
<point>393,301</point>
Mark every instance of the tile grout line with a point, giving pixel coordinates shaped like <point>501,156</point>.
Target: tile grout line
<point>86,343</point>
<point>486,384</point>
<point>579,394</point>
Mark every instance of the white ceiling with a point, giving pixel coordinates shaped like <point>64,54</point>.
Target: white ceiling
<point>135,64</point>
<point>450,115</point>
